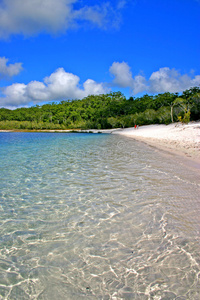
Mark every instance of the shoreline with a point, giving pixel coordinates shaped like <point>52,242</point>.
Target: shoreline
<point>176,138</point>
<point>182,140</point>
<point>63,130</point>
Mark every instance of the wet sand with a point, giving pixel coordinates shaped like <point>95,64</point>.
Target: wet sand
<point>177,138</point>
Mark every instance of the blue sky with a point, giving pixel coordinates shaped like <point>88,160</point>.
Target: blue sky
<point>67,49</point>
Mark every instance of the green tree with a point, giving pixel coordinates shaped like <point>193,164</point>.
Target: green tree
<point>113,121</point>
<point>185,107</point>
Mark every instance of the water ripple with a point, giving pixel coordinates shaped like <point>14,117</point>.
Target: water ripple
<point>91,217</point>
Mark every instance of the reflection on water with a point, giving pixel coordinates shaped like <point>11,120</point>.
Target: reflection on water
<point>87,216</point>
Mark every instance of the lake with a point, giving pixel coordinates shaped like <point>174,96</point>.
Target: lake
<point>96,216</point>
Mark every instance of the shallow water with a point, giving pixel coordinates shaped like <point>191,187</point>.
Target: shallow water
<point>96,216</point>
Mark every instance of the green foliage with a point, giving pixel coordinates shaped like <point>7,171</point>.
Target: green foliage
<point>105,111</point>
<point>186,104</point>
<point>164,115</point>
<point>113,121</point>
<point>185,118</point>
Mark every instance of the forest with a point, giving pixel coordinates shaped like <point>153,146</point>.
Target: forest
<point>104,111</point>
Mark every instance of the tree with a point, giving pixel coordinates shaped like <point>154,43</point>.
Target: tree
<point>185,106</point>
<point>113,121</point>
<point>164,115</point>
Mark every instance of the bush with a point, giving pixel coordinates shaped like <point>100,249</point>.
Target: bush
<point>186,118</point>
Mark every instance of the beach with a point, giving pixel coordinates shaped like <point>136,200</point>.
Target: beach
<point>182,139</point>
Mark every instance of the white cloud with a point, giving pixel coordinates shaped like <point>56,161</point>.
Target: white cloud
<point>15,94</point>
<point>30,17</point>
<point>139,84</point>
<point>122,74</point>
<point>104,16</point>
<point>196,81</point>
<point>60,85</point>
<point>163,80</point>
<point>91,87</point>
<point>169,80</point>
<point>36,90</point>
<point>9,70</point>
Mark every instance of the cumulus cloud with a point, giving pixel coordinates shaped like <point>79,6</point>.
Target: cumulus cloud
<point>122,74</point>
<point>139,84</point>
<point>33,16</point>
<point>91,87</point>
<point>163,80</point>
<point>14,94</point>
<point>170,80</point>
<point>9,70</point>
<point>60,85</point>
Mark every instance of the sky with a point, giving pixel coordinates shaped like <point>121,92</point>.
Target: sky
<point>69,49</point>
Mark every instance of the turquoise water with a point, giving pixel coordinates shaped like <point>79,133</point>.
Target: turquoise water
<point>96,216</point>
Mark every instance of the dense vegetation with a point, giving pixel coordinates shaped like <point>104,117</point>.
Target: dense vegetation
<point>106,111</point>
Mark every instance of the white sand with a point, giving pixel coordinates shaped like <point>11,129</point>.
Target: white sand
<point>177,138</point>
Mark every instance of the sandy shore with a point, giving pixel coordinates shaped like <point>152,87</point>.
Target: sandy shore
<point>182,139</point>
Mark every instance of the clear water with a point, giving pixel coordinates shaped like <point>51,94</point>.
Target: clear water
<point>94,216</point>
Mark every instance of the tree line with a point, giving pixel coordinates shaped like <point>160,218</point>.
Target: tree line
<point>110,110</point>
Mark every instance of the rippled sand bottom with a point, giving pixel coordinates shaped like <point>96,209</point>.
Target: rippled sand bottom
<point>105,219</point>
